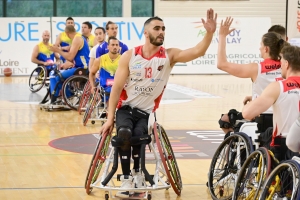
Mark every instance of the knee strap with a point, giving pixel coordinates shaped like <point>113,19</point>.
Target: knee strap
<point>142,139</point>
<point>124,134</point>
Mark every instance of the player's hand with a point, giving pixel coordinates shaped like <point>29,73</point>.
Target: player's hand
<point>93,89</point>
<point>247,99</point>
<point>66,48</point>
<point>211,21</point>
<point>46,64</point>
<point>107,127</point>
<point>224,28</point>
<point>53,48</point>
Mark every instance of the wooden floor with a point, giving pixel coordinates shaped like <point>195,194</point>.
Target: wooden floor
<point>31,169</point>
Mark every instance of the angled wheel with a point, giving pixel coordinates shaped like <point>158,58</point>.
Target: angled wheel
<point>97,161</point>
<point>226,165</point>
<point>85,97</point>
<point>91,106</point>
<point>255,170</point>
<point>37,79</point>
<point>72,90</point>
<point>168,158</point>
<point>283,182</point>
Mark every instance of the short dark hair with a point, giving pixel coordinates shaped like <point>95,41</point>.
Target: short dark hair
<point>69,18</point>
<point>151,19</point>
<point>109,23</point>
<point>88,24</point>
<point>292,55</point>
<point>111,38</point>
<point>70,29</point>
<point>278,29</point>
<point>101,28</point>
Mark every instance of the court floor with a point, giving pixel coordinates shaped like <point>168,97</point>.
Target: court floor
<point>46,155</point>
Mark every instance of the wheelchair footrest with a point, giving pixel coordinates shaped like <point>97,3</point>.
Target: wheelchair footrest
<point>119,176</point>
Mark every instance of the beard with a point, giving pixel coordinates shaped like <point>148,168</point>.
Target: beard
<point>154,41</point>
<point>114,52</point>
<point>45,40</point>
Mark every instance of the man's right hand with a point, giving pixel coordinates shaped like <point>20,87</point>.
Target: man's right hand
<point>107,127</point>
<point>93,89</point>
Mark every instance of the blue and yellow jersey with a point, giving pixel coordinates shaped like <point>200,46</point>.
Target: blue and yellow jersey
<point>44,53</point>
<point>91,39</point>
<point>82,57</point>
<point>108,69</point>
<point>64,41</point>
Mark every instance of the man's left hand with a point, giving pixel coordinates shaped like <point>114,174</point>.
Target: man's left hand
<point>211,21</point>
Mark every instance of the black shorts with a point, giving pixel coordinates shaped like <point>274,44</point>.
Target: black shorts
<point>126,117</point>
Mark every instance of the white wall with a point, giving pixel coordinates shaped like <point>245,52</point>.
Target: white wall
<point>275,9</point>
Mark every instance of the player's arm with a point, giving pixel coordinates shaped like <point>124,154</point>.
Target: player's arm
<point>178,55</point>
<point>57,58</point>
<point>77,42</point>
<point>93,71</point>
<point>34,56</point>
<point>119,81</point>
<point>239,70</point>
<point>263,102</point>
<point>57,41</point>
<point>92,56</point>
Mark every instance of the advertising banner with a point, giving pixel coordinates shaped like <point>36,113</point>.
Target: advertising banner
<point>18,36</point>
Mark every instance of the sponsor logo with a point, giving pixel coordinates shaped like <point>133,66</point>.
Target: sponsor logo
<point>138,74</point>
<point>136,79</point>
<point>144,91</point>
<point>273,66</point>
<point>9,63</point>
<point>156,80</point>
<point>136,66</point>
<point>160,67</point>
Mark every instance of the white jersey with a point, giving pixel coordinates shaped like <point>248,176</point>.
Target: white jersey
<point>286,107</point>
<point>147,80</point>
<point>93,51</point>
<point>268,72</point>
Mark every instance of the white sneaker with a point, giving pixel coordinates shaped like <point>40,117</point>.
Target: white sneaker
<point>127,183</point>
<point>138,178</point>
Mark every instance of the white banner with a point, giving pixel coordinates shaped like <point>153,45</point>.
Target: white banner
<point>17,39</point>
<point>18,36</point>
<point>293,22</point>
<point>242,44</point>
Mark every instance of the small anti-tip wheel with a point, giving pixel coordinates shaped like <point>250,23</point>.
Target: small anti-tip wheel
<point>106,196</point>
<point>93,122</point>
<point>149,197</point>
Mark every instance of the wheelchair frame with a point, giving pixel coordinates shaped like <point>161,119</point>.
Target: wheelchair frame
<point>166,169</point>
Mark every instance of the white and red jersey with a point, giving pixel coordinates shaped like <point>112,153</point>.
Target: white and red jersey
<point>147,80</point>
<point>268,72</point>
<point>286,108</point>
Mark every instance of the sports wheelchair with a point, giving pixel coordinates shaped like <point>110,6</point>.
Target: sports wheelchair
<point>96,106</point>
<point>71,91</point>
<point>165,175</point>
<point>39,78</point>
<point>283,182</point>
<point>236,170</point>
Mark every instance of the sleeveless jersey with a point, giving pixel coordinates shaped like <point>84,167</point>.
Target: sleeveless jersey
<point>147,80</point>
<point>108,69</point>
<point>45,54</point>
<point>91,39</point>
<point>286,107</point>
<point>64,41</point>
<point>82,57</point>
<point>268,71</point>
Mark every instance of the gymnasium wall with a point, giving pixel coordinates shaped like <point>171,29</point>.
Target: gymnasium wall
<point>275,9</point>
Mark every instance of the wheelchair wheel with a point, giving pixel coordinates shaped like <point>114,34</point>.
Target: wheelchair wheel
<point>283,182</point>
<point>73,90</point>
<point>168,158</point>
<point>97,161</point>
<point>226,165</point>
<point>85,97</point>
<point>255,170</point>
<point>37,78</point>
<point>90,108</point>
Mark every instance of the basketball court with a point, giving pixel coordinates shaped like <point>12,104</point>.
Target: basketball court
<point>46,155</point>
